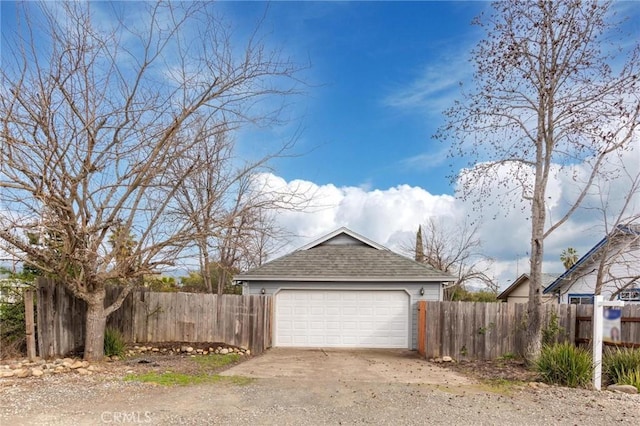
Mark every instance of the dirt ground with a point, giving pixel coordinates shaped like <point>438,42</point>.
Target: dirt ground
<point>310,387</point>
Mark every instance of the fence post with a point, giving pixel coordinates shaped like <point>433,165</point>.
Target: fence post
<point>422,329</point>
<point>30,323</point>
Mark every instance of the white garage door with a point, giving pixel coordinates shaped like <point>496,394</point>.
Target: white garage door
<point>342,319</point>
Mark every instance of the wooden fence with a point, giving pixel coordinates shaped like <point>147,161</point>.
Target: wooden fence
<point>630,325</point>
<point>468,330</point>
<point>149,317</point>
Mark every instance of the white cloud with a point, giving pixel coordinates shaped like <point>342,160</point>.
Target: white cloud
<point>385,216</point>
<point>435,87</point>
<point>391,216</point>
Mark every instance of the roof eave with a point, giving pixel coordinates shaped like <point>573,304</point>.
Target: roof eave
<point>436,279</point>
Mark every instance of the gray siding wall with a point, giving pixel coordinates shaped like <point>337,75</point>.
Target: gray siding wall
<point>432,292</point>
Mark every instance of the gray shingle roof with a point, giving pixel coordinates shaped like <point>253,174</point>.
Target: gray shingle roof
<point>344,263</point>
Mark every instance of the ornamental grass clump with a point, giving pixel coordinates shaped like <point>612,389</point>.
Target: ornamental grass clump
<point>565,364</point>
<point>622,366</point>
<point>114,344</point>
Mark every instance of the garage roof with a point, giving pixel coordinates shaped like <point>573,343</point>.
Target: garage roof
<point>344,255</point>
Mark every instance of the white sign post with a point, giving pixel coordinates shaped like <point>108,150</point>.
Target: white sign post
<point>598,312</point>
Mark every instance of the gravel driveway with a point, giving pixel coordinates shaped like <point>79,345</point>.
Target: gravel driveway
<point>293,387</point>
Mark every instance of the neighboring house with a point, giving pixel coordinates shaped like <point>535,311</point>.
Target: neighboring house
<point>11,289</point>
<point>518,291</point>
<point>618,256</point>
<point>344,290</point>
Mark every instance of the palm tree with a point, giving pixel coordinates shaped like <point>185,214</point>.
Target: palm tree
<point>569,257</point>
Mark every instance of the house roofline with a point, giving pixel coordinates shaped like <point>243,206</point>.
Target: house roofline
<point>505,293</point>
<point>625,229</point>
<point>339,231</point>
<point>436,279</point>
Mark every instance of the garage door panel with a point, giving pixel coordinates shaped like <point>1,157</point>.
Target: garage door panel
<point>342,318</point>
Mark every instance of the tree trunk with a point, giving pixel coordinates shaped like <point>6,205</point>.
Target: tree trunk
<point>534,306</point>
<point>222,280</point>
<point>95,326</point>
<point>206,271</point>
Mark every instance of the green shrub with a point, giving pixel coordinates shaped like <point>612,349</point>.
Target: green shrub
<point>622,366</point>
<point>565,364</point>
<point>13,339</point>
<point>114,343</point>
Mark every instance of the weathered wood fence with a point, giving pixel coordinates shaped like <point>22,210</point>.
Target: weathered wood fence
<point>630,325</point>
<point>150,317</point>
<point>468,330</point>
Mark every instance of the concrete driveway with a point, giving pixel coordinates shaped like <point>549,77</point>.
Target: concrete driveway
<point>362,365</point>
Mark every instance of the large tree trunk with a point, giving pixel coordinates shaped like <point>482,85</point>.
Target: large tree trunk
<point>534,307</point>
<point>95,326</point>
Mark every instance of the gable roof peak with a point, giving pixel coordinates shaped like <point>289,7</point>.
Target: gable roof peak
<point>343,231</point>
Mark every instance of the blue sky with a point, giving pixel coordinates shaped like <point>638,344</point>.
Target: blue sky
<point>375,90</point>
<point>380,74</point>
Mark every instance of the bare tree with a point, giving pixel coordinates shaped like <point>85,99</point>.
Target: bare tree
<point>545,97</point>
<point>219,200</point>
<point>618,260</point>
<point>456,250</point>
<point>91,116</point>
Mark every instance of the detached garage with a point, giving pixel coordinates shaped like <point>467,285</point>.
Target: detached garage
<point>345,291</point>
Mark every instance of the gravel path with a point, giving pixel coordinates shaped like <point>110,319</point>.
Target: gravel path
<point>73,400</point>
<point>323,397</point>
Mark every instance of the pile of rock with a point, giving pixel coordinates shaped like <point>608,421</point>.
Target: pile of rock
<point>188,350</point>
<point>25,368</point>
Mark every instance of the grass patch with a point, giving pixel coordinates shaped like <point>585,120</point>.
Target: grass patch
<point>180,379</point>
<point>500,386</point>
<point>202,373</point>
<point>214,362</point>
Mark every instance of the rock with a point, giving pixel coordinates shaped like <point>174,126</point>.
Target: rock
<point>76,365</point>
<point>36,372</point>
<point>83,371</point>
<point>224,351</point>
<point>85,364</point>
<point>537,385</point>
<point>447,359</point>
<point>7,373</point>
<point>59,369</point>
<point>15,366</point>
<point>93,368</point>
<point>623,388</point>
<point>211,350</point>
<point>155,350</point>
<point>183,348</point>
<point>69,360</point>
<point>248,352</point>
<point>22,373</point>
<point>189,349</point>
<point>199,351</point>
